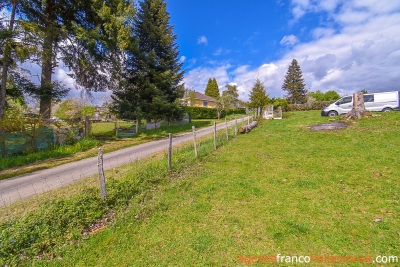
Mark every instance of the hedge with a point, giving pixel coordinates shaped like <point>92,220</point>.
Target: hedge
<point>211,113</point>
<point>312,106</point>
<point>234,111</point>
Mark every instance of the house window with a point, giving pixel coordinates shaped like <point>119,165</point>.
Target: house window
<point>205,104</point>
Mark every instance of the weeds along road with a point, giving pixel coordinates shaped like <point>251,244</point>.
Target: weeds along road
<point>28,185</point>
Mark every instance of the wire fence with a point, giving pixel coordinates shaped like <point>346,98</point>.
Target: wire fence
<point>26,192</point>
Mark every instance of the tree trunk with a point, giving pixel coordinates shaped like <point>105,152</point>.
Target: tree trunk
<point>6,62</point>
<point>4,76</point>
<point>247,128</point>
<point>47,71</point>
<point>358,107</point>
<point>47,63</point>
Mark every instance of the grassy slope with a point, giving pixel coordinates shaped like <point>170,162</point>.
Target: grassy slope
<point>280,189</point>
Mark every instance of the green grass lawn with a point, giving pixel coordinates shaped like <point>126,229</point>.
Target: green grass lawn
<point>281,189</point>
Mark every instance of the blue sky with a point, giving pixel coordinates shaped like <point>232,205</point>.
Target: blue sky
<point>342,45</point>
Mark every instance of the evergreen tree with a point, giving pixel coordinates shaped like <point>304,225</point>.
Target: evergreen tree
<point>209,86</point>
<point>212,88</point>
<point>80,33</point>
<point>258,96</point>
<point>153,67</point>
<point>294,84</point>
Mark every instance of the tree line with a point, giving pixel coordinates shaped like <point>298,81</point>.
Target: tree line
<point>293,85</point>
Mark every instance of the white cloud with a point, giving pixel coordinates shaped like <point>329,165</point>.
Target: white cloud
<point>182,59</point>
<point>358,49</point>
<point>221,52</point>
<point>202,40</point>
<point>62,76</point>
<point>289,40</point>
<point>197,78</point>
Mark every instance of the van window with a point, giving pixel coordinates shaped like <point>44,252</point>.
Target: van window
<point>368,98</point>
<point>344,100</point>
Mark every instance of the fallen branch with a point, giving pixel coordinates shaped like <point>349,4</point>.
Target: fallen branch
<point>247,128</point>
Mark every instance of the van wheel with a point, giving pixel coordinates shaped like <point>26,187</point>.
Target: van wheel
<point>387,109</point>
<point>332,113</point>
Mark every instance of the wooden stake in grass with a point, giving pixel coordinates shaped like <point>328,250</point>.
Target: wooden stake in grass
<point>86,126</point>
<point>194,139</point>
<point>227,131</point>
<point>101,174</point>
<point>137,126</point>
<point>170,152</point>
<point>235,126</point>
<point>215,135</point>
<point>248,120</point>
<point>116,126</point>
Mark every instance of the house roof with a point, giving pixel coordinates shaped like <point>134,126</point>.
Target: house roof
<point>204,97</point>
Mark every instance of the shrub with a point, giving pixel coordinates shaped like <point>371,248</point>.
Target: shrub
<point>233,111</point>
<point>311,106</point>
<point>202,113</point>
<point>211,113</point>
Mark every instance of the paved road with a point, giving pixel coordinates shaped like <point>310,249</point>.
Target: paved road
<point>28,185</point>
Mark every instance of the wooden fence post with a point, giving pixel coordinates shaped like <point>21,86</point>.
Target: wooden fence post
<point>194,139</point>
<point>227,131</point>
<point>101,174</point>
<point>215,135</point>
<point>86,126</point>
<point>170,152</point>
<point>116,126</point>
<point>235,126</point>
<point>248,120</point>
<point>137,126</point>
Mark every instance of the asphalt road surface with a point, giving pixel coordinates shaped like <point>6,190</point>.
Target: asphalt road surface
<point>28,185</point>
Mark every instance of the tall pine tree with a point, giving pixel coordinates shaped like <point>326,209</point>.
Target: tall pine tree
<point>153,67</point>
<point>258,96</point>
<point>294,84</point>
<point>212,88</point>
<point>77,32</point>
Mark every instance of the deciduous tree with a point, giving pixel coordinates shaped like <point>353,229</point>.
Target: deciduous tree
<point>230,96</point>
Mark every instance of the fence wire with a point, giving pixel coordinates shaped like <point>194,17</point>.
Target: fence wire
<point>23,193</point>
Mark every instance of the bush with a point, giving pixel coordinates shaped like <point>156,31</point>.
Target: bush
<point>233,112</point>
<point>311,106</point>
<point>202,113</point>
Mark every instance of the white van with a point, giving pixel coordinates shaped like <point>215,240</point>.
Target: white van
<point>386,101</point>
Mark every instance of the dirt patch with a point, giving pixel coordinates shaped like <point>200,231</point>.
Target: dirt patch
<point>329,126</point>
